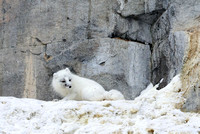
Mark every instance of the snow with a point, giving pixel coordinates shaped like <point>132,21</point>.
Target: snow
<point>154,111</point>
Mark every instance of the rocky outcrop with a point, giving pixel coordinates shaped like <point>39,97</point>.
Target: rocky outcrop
<point>167,57</point>
<point>38,38</point>
<point>191,73</point>
<point>174,35</point>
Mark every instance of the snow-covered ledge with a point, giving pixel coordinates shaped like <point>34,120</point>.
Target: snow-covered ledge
<point>154,111</point>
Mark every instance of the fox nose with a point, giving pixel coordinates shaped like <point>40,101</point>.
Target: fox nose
<point>68,86</point>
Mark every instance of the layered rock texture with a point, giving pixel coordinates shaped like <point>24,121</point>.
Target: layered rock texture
<point>122,44</point>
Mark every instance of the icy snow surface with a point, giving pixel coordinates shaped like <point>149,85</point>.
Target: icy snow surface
<point>152,112</point>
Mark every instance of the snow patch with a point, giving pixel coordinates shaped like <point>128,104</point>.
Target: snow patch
<point>154,111</point>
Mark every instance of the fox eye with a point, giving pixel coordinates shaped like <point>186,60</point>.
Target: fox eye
<point>70,79</point>
<point>63,81</point>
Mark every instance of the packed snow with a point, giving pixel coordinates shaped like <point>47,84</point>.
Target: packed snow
<point>154,111</point>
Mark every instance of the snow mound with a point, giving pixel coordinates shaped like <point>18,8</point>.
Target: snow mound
<point>154,111</point>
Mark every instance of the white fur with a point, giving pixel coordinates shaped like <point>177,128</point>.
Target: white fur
<point>114,95</point>
<point>80,88</point>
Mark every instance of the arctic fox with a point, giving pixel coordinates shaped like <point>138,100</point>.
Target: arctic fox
<point>73,87</point>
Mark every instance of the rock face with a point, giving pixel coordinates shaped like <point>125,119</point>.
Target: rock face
<point>39,38</point>
<point>191,74</point>
<point>167,57</point>
<point>122,44</point>
<point>174,33</point>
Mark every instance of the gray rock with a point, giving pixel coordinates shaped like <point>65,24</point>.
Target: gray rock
<point>141,7</point>
<point>120,65</point>
<point>193,99</point>
<point>23,74</point>
<point>169,48</point>
<point>179,16</point>
<point>167,57</point>
<point>130,7</point>
<point>162,27</point>
<point>190,73</point>
<point>186,15</point>
<point>153,5</point>
<point>12,73</point>
<point>167,61</point>
<point>132,30</point>
<point>43,37</point>
<point>147,11</point>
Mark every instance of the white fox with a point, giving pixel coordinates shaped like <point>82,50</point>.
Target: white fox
<point>73,87</point>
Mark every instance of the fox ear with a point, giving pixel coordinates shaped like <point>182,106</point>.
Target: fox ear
<point>55,75</point>
<point>67,69</point>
